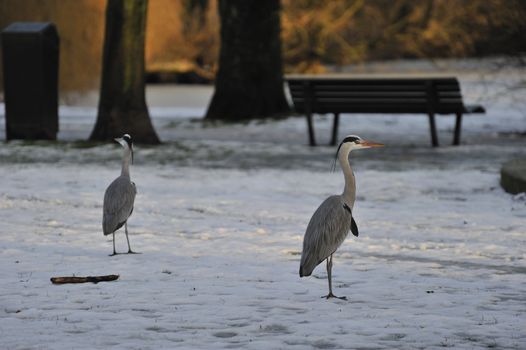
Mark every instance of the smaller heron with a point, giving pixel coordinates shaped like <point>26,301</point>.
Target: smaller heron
<point>120,196</point>
<point>331,222</point>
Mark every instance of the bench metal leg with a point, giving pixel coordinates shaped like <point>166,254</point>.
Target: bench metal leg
<point>312,139</point>
<point>458,127</point>
<point>433,129</point>
<point>335,129</point>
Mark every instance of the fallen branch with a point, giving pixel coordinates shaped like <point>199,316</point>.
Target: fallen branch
<point>74,279</point>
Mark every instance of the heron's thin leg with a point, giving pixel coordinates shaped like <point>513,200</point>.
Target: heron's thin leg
<point>329,273</point>
<point>127,239</point>
<point>329,277</point>
<point>114,253</point>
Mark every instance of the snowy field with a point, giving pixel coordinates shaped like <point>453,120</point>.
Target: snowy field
<point>219,219</point>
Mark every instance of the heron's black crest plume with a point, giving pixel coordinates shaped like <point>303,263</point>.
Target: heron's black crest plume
<point>350,138</point>
<point>128,140</point>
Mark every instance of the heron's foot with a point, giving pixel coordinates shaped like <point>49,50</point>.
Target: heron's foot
<point>115,253</point>
<point>330,295</point>
<point>132,252</point>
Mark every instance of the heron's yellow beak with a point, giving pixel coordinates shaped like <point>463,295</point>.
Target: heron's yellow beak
<point>369,144</point>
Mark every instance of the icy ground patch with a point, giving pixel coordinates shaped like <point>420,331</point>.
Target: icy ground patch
<point>439,262</point>
<point>220,216</point>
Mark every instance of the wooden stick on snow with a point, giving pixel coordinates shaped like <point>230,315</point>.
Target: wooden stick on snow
<point>74,279</point>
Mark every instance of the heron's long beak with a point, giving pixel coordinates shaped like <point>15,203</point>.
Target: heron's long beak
<point>370,144</point>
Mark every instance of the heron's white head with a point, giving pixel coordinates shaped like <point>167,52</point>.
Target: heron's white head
<point>351,143</point>
<point>126,142</point>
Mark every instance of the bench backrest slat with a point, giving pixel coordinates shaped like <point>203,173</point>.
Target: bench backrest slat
<point>376,95</point>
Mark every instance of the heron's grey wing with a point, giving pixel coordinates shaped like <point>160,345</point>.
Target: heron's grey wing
<point>354,227</point>
<point>118,204</point>
<point>326,231</point>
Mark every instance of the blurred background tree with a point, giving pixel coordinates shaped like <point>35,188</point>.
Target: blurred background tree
<point>249,82</point>
<point>318,33</point>
<point>182,36</point>
<point>122,102</point>
<point>182,41</point>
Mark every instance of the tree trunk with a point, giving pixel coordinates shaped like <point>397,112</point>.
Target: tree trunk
<point>249,82</point>
<point>122,103</point>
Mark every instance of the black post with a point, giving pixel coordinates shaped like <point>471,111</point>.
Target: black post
<point>433,130</point>
<point>308,111</point>
<point>335,128</point>
<point>458,127</point>
<point>431,108</point>
<point>31,54</point>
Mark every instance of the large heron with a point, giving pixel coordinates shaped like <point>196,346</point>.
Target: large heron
<point>331,222</point>
<point>120,196</point>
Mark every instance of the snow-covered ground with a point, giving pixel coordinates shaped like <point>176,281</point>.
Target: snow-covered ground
<point>219,219</point>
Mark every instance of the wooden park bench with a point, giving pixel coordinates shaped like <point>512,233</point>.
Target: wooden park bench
<point>379,94</point>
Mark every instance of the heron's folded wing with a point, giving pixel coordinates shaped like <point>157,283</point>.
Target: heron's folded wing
<point>119,199</point>
<point>326,231</point>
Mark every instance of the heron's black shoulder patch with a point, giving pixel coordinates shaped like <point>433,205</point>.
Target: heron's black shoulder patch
<point>354,228</point>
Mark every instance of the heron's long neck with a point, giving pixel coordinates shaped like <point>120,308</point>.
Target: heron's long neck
<point>126,157</point>
<point>349,192</point>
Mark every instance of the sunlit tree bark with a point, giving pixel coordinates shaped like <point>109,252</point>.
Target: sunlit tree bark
<point>122,103</point>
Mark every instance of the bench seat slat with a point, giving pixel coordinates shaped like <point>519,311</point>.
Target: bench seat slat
<point>370,94</point>
<point>366,100</point>
<point>450,100</point>
<point>376,94</point>
<point>385,109</point>
<point>449,94</point>
<point>363,88</point>
<point>373,81</point>
<point>386,88</point>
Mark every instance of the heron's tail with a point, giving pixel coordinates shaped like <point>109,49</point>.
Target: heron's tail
<point>306,271</point>
<point>302,274</point>
<point>107,226</point>
<point>308,264</point>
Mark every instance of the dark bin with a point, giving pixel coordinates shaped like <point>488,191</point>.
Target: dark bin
<point>30,54</point>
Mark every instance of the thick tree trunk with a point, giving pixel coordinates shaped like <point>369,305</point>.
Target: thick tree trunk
<point>122,103</point>
<point>249,82</point>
